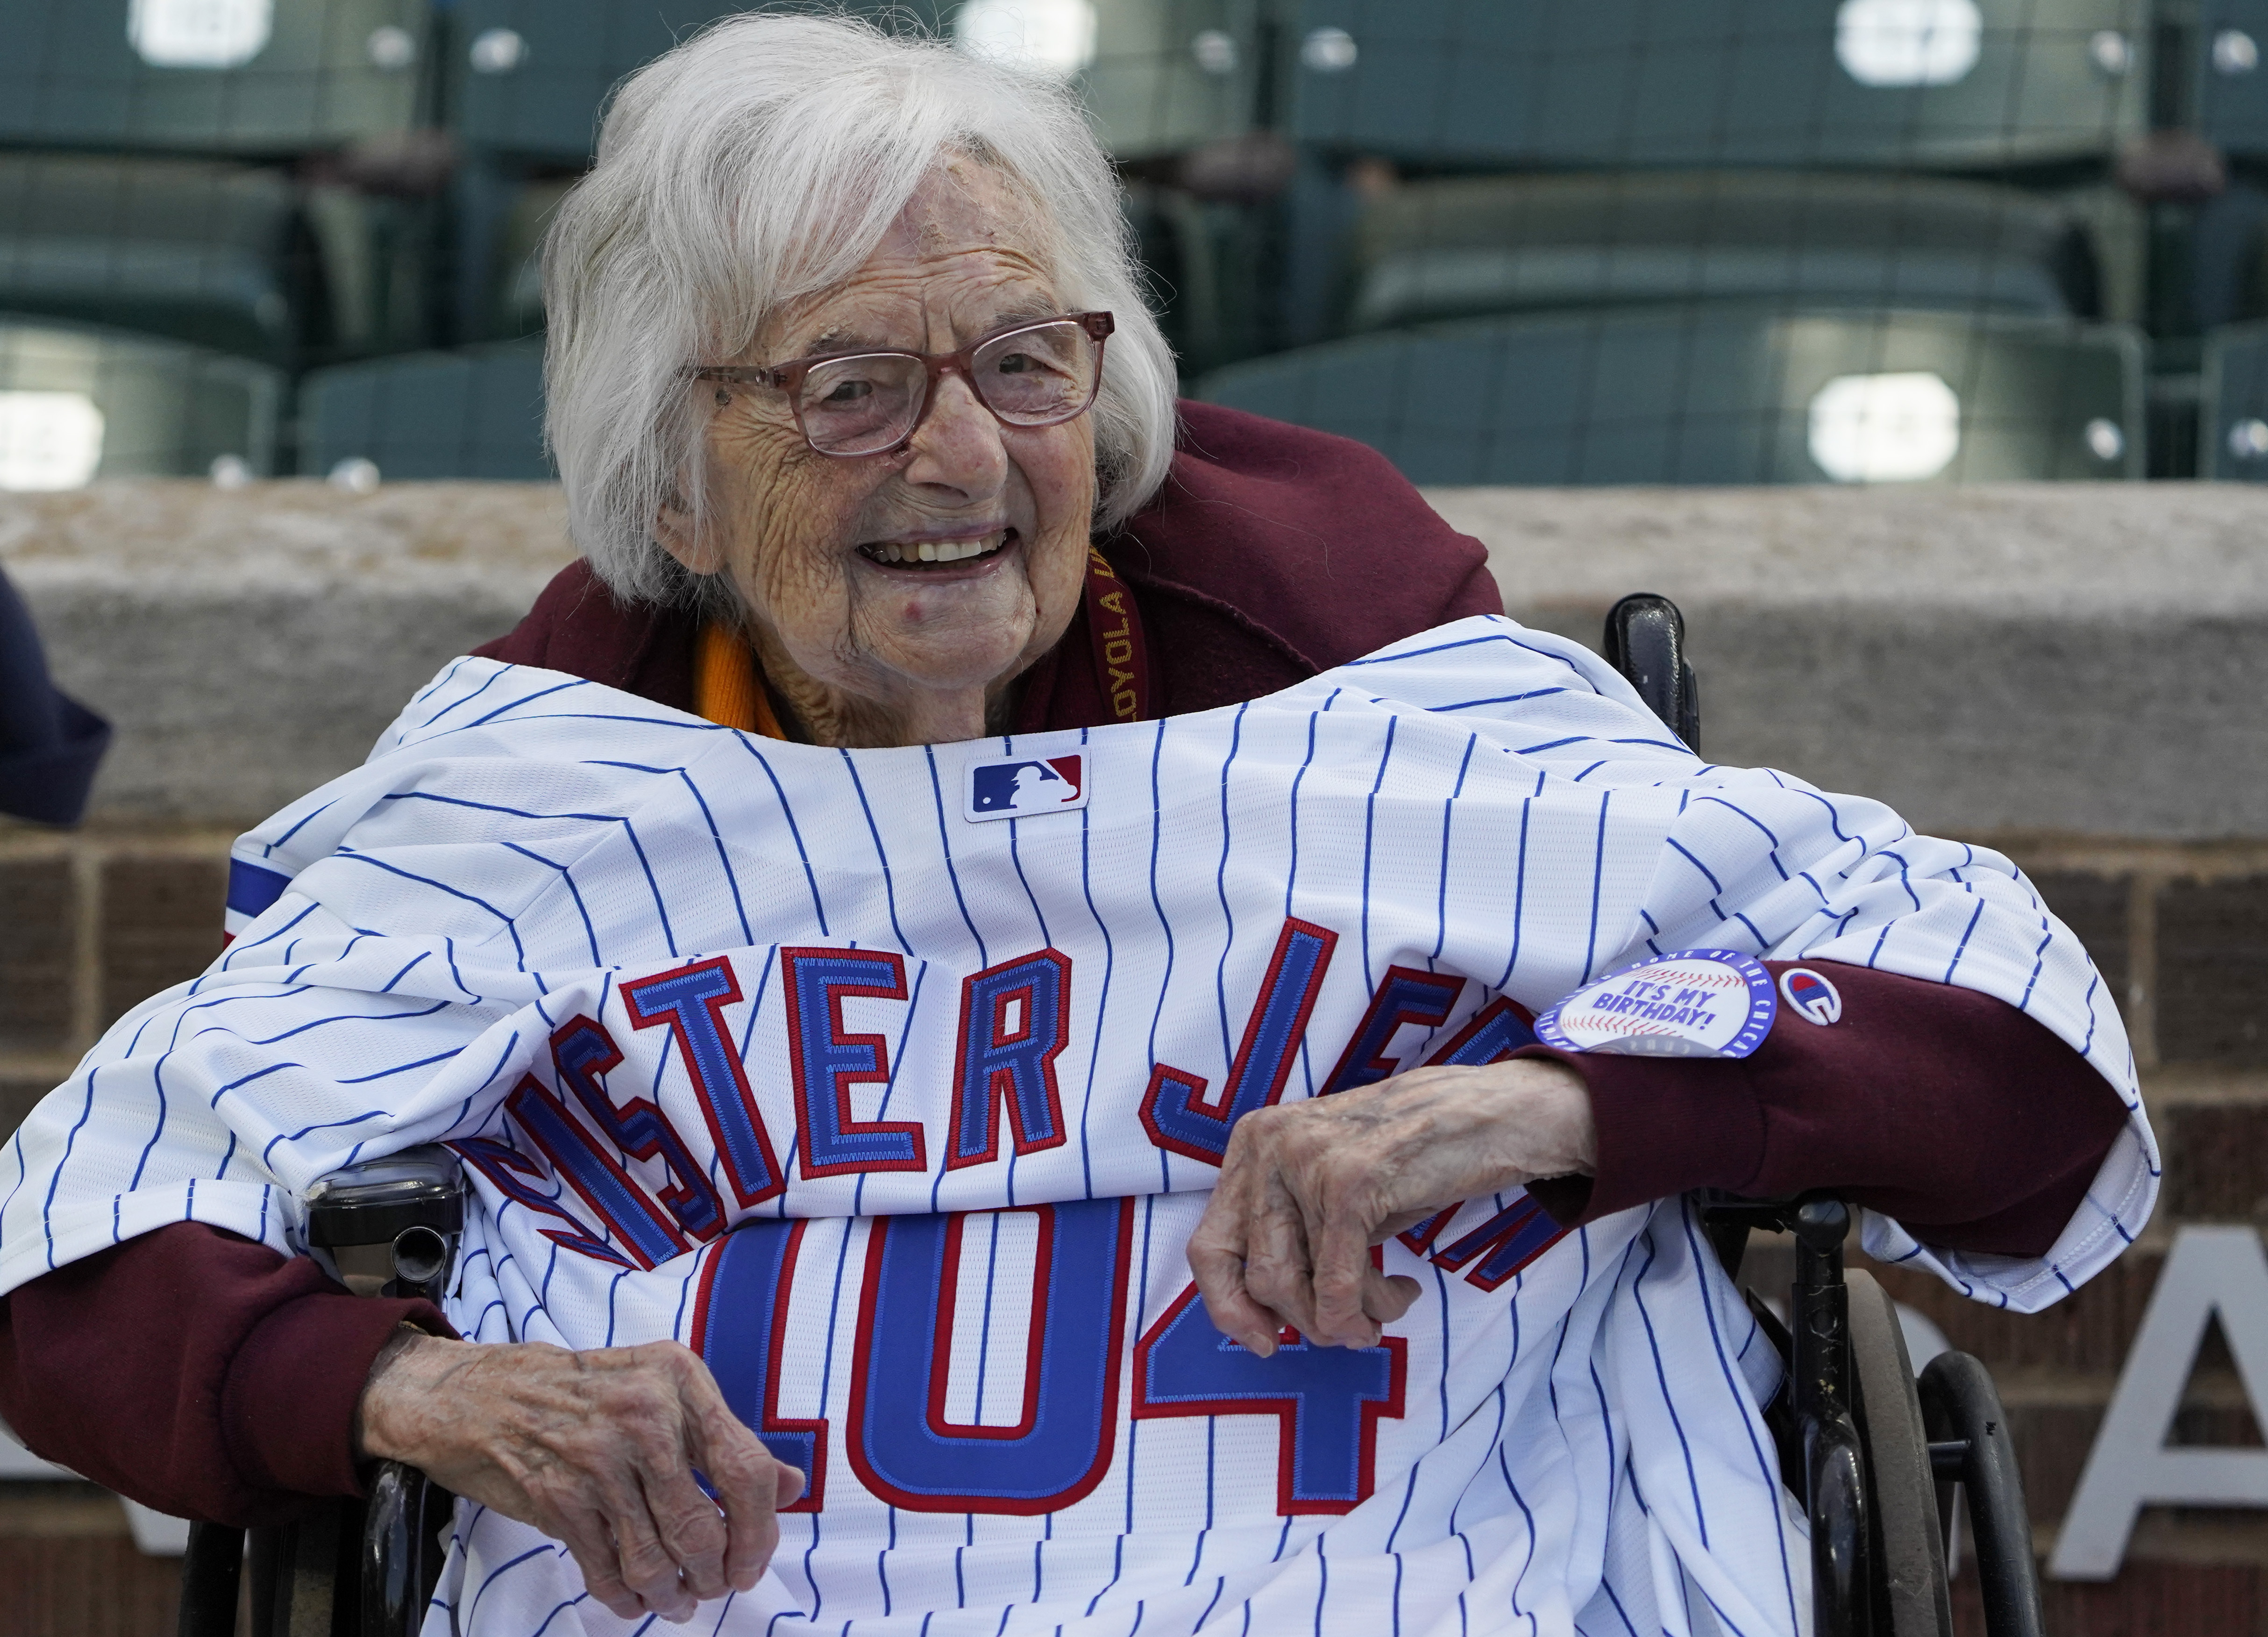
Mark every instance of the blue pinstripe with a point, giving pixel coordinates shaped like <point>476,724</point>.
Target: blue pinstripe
<point>945,851</point>
<point>794,831</point>
<point>1016,861</point>
<point>1101,1007</point>
<point>1767,1463</point>
<point>1164,925</point>
<point>344,1017</point>
<point>1220,888</point>
<point>1598,887</point>
<point>1369,834</point>
<point>724,860</point>
<point>1669,1400</point>
<point>882,853</point>
<point>1963,948</point>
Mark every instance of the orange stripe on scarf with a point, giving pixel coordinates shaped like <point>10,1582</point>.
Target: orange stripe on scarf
<point>728,690</point>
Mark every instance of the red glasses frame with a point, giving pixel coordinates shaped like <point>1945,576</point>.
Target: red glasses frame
<point>789,377</point>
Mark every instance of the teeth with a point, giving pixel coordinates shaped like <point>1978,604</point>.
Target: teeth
<point>935,551</point>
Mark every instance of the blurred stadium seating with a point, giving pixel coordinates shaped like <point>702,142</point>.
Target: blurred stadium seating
<point>1467,245</point>
<point>1797,83</point>
<point>1168,76</point>
<point>266,78</point>
<point>206,251</point>
<point>516,264</point>
<point>78,402</point>
<point>1719,394</point>
<point>476,412</point>
<point>2233,417</point>
<point>2224,67</point>
<point>528,76</point>
<point>2001,193</point>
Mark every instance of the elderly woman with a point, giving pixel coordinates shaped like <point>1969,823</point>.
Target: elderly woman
<point>891,528</point>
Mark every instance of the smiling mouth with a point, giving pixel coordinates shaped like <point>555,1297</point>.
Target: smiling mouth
<point>936,554</point>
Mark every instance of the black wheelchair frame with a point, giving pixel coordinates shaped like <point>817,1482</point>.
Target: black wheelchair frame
<point>1877,1458</point>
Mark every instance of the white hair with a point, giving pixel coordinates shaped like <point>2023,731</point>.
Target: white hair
<point>763,160</point>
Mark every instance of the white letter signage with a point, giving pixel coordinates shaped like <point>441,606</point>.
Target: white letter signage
<point>2212,1270</point>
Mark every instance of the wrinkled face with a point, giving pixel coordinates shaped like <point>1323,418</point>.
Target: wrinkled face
<point>827,554</point>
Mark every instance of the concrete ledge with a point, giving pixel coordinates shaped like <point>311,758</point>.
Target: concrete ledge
<point>2081,661</point>
<point>249,644</point>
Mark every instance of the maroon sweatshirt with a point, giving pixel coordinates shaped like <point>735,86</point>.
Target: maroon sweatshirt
<point>213,1378</point>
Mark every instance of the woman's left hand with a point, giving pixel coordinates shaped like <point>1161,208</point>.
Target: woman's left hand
<point>1307,1189</point>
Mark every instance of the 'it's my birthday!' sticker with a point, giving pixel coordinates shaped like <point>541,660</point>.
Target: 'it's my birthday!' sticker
<point>1697,1003</point>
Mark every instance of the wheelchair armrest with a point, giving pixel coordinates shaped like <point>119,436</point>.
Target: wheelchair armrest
<point>1727,1220</point>
<point>410,1207</point>
<point>411,1204</point>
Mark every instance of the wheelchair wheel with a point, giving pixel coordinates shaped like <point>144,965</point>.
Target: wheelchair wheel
<point>1910,1594</point>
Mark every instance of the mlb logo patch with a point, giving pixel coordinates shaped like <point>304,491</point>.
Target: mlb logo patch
<point>1026,787</point>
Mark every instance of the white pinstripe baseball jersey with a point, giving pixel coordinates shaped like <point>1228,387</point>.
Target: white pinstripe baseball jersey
<point>893,1081</point>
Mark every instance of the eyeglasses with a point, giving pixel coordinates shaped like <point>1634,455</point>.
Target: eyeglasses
<point>1036,373</point>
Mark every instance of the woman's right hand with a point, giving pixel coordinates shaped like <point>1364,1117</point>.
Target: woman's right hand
<point>597,1450</point>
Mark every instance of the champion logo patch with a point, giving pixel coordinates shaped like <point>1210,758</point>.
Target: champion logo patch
<point>1811,997</point>
<point>1697,1003</point>
<point>1025,786</point>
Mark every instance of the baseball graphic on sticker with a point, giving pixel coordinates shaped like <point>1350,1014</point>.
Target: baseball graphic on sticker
<point>1695,1003</point>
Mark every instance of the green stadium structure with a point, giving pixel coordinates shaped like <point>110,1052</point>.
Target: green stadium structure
<point>477,413</point>
<point>79,403</point>
<point>1719,394</point>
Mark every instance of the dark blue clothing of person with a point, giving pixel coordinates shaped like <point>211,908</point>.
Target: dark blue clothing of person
<point>50,742</point>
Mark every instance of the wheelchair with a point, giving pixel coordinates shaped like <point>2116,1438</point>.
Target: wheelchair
<point>1879,1458</point>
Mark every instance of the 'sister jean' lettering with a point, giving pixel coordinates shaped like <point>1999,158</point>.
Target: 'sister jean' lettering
<point>1014,1020</point>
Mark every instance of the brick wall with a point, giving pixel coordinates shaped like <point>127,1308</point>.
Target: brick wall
<point>95,922</point>
<point>69,1569</point>
<point>99,920</point>
<point>2181,935</point>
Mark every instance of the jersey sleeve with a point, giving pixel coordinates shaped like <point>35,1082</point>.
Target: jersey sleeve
<point>1759,862</point>
<point>1766,865</point>
<point>1964,1120</point>
<point>375,939</point>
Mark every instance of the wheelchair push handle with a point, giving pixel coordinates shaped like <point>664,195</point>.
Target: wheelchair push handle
<point>1644,640</point>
